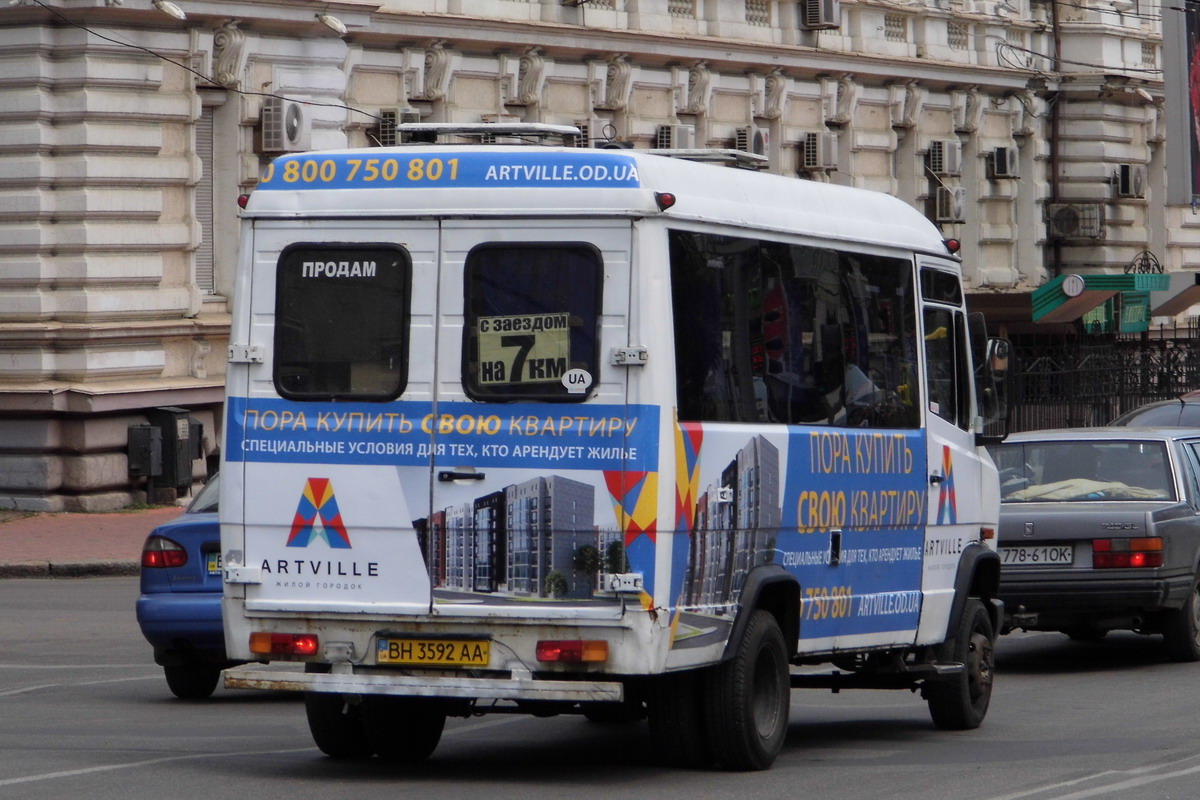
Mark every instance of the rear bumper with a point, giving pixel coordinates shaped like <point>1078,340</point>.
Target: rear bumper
<point>182,621</point>
<point>1052,602</point>
<point>343,680</point>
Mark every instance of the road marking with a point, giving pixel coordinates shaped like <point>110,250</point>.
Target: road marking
<point>74,773</point>
<point>1138,779</point>
<point>39,687</point>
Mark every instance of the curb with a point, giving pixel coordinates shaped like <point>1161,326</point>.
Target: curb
<point>68,569</point>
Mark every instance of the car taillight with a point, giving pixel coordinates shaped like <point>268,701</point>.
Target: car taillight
<point>162,553</point>
<point>284,644</point>
<point>572,650</point>
<point>1127,553</point>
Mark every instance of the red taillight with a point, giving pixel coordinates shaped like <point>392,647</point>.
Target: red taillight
<point>284,644</point>
<point>1127,553</point>
<point>160,553</point>
<point>572,650</point>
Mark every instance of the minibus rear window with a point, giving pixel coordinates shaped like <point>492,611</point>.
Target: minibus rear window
<point>532,315</point>
<point>341,322</point>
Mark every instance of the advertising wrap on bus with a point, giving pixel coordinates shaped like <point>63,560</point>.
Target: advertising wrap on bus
<point>812,481</point>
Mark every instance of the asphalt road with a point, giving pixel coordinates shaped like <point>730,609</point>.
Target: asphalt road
<point>84,713</point>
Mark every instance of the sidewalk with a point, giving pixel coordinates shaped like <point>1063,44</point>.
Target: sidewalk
<point>74,545</point>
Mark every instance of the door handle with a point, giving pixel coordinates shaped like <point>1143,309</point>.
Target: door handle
<point>447,475</point>
<point>935,479</point>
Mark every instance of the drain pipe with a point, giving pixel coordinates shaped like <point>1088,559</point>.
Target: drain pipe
<point>1055,129</point>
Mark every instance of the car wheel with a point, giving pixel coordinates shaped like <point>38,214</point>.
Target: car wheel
<point>403,730</point>
<point>749,696</point>
<point>1181,632</point>
<point>336,726</point>
<point>961,702</point>
<point>192,681</point>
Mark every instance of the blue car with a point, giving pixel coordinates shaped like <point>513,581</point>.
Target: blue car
<point>179,609</point>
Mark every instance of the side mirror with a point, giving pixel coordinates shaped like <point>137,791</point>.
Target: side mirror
<point>997,354</point>
<point>992,391</point>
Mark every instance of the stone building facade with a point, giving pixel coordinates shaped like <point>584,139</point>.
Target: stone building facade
<point>127,134</point>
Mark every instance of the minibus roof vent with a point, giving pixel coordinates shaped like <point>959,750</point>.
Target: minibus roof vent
<point>727,156</point>
<point>483,132</point>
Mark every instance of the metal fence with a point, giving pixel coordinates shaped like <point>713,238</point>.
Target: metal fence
<point>1078,383</point>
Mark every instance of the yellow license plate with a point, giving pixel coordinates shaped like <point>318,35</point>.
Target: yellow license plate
<point>433,652</point>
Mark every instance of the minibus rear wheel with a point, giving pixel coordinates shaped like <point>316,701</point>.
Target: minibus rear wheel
<point>336,726</point>
<point>403,730</point>
<point>749,696</point>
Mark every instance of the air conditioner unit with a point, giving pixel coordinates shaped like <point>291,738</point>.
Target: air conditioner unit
<point>945,157</point>
<point>819,151</point>
<point>817,15</point>
<point>753,139</point>
<point>1002,163</point>
<point>1131,180</point>
<point>676,137</point>
<point>1075,220</point>
<point>385,133</point>
<point>950,204</point>
<point>593,132</point>
<point>285,126</point>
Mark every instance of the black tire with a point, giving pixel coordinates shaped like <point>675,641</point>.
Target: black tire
<point>1181,629</point>
<point>960,703</point>
<point>403,730</point>
<point>749,696</point>
<point>192,681</point>
<point>336,726</point>
<point>675,708</point>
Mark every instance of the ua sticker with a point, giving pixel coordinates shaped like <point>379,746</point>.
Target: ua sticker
<point>317,516</point>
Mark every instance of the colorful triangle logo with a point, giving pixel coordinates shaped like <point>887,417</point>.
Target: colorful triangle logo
<point>317,517</point>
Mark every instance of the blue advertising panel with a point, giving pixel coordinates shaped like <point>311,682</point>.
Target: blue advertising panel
<point>844,510</point>
<point>519,436</point>
<point>451,169</point>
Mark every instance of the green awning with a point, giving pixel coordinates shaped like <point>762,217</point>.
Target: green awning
<point>1069,297</point>
<point>1182,294</point>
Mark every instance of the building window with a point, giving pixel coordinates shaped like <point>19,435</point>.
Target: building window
<point>204,208</point>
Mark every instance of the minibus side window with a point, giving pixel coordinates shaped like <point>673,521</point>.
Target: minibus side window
<point>532,315</point>
<point>779,333</point>
<point>341,322</point>
<point>947,365</point>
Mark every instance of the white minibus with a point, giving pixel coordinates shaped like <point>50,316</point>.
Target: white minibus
<point>613,432</point>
